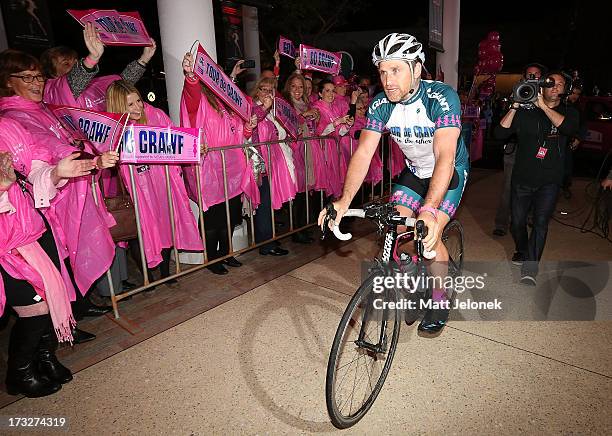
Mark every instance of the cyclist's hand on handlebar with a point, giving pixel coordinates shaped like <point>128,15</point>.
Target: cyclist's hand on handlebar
<point>433,235</point>
<point>340,211</point>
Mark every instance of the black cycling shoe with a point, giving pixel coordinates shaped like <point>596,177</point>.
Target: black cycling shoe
<point>434,320</point>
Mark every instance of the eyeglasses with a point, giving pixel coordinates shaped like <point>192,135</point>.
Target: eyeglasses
<point>266,90</point>
<point>29,78</point>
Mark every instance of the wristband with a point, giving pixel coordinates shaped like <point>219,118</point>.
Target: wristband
<point>431,210</point>
<point>90,61</point>
<point>142,63</point>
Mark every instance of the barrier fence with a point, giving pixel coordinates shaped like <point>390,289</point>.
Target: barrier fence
<point>387,174</point>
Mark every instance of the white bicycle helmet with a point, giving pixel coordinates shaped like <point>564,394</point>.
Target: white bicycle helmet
<point>398,46</point>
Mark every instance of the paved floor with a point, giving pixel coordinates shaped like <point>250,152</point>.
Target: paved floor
<point>256,363</point>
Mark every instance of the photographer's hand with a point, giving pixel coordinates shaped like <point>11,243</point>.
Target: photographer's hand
<point>506,121</point>
<point>555,117</point>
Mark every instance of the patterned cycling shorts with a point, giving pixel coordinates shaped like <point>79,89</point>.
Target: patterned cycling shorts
<point>410,191</point>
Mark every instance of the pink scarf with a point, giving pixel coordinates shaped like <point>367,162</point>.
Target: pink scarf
<point>55,290</point>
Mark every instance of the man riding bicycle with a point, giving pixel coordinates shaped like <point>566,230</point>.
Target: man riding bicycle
<point>424,119</point>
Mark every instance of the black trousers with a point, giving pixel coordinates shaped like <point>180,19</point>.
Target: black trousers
<point>543,200</point>
<point>215,224</point>
<point>21,292</point>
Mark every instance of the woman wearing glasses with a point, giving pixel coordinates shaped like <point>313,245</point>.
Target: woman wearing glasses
<point>222,127</point>
<point>73,214</point>
<point>276,179</point>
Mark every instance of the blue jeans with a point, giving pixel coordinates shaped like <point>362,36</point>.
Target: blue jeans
<point>543,200</point>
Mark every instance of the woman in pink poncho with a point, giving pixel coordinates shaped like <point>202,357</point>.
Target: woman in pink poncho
<point>123,97</point>
<point>375,172</point>
<point>82,224</point>
<point>335,125</point>
<point>276,178</point>
<point>34,280</point>
<point>295,93</point>
<point>222,127</point>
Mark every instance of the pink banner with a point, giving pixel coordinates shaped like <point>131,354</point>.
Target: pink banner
<point>286,116</point>
<point>286,47</point>
<point>170,145</point>
<point>102,129</point>
<point>319,60</point>
<point>220,84</point>
<point>116,28</point>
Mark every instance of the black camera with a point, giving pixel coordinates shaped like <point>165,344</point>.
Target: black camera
<point>527,90</point>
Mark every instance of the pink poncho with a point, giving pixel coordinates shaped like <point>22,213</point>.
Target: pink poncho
<point>153,202</point>
<point>282,186</point>
<point>73,213</point>
<point>375,171</point>
<point>220,129</point>
<point>57,91</point>
<point>335,163</point>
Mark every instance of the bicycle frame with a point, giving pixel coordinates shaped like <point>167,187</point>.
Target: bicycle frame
<point>390,245</point>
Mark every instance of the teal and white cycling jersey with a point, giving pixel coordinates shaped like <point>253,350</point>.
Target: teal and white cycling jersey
<point>413,122</point>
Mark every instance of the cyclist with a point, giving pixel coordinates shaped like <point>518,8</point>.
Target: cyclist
<point>424,119</point>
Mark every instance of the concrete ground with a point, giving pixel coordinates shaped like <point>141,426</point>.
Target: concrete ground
<point>256,364</point>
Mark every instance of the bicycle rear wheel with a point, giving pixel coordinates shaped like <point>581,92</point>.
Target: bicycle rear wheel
<point>361,354</point>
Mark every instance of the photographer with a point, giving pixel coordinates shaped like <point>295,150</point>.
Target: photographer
<point>502,217</point>
<point>542,133</point>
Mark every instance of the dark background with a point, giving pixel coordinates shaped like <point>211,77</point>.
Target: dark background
<point>564,34</point>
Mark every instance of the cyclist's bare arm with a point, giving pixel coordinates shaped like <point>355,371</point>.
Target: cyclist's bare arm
<point>357,170</point>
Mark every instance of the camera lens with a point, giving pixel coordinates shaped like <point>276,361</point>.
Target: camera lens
<point>525,92</point>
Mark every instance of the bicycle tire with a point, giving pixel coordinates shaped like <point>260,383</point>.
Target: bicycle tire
<point>365,291</point>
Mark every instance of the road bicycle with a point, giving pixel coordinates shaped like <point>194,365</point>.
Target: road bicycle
<point>367,336</point>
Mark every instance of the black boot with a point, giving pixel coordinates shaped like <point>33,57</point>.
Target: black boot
<point>47,361</point>
<point>22,376</point>
<point>164,266</point>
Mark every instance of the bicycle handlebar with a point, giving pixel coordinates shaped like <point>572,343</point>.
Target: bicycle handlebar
<point>360,213</point>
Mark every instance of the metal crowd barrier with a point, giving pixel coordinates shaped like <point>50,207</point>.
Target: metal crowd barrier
<point>115,298</point>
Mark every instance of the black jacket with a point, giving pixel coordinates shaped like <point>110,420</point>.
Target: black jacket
<point>541,147</point>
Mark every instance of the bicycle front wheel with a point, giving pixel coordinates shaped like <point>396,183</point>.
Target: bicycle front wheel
<point>361,353</point>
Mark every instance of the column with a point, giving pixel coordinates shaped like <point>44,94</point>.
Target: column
<point>3,40</point>
<point>181,22</point>
<point>250,28</point>
<point>449,60</point>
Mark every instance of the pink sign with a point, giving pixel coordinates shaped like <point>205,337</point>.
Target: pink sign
<point>102,129</point>
<point>116,28</point>
<point>286,47</point>
<point>220,84</point>
<point>286,116</point>
<point>170,145</point>
<point>319,60</point>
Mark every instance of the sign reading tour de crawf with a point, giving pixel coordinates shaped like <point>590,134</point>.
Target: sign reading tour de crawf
<point>170,145</point>
<point>286,47</point>
<point>220,84</point>
<point>115,28</point>
<point>286,115</point>
<point>102,129</point>
<point>319,60</point>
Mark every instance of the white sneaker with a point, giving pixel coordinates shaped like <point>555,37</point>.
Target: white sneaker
<point>528,280</point>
